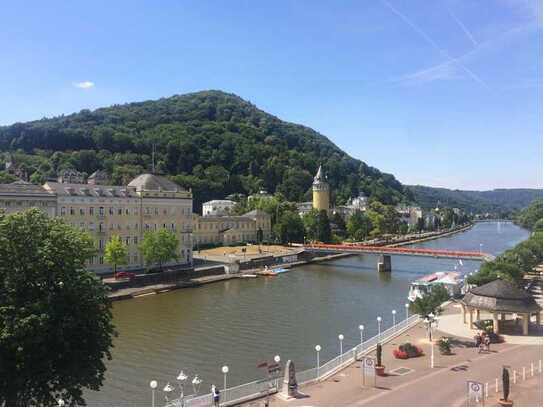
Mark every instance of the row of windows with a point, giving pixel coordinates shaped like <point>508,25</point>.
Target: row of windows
<point>102,211</point>
<point>224,225</point>
<point>7,204</point>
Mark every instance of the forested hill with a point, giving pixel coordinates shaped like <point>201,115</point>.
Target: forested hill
<point>495,201</point>
<point>211,141</point>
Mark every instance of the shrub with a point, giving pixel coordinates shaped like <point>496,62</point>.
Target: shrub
<point>444,345</point>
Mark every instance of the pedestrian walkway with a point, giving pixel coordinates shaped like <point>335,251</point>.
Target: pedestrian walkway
<point>413,381</point>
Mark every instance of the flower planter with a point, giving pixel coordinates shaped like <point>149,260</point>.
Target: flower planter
<point>502,402</point>
<point>380,370</point>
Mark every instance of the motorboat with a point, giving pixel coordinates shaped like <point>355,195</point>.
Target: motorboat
<point>450,280</point>
<point>248,276</point>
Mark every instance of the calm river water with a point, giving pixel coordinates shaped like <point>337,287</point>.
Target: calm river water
<point>244,321</point>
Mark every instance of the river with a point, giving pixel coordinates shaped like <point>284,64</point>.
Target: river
<point>245,321</point>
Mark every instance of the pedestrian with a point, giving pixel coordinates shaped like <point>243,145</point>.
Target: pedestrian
<point>487,343</point>
<point>216,395</point>
<point>477,340</point>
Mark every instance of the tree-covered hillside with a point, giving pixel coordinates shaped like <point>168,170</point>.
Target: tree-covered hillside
<point>214,142</point>
<point>495,201</point>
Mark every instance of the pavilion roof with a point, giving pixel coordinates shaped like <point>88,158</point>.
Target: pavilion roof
<point>501,296</point>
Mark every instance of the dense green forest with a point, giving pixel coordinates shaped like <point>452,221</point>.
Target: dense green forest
<point>213,142</point>
<point>531,216</point>
<point>514,263</point>
<point>497,201</point>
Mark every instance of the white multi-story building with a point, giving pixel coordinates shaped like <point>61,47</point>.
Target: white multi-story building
<point>217,207</point>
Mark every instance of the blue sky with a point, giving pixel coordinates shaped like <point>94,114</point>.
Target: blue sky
<point>443,93</point>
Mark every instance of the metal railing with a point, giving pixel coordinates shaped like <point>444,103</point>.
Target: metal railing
<point>260,388</point>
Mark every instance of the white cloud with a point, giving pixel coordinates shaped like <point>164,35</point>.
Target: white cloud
<point>84,85</point>
<point>445,71</point>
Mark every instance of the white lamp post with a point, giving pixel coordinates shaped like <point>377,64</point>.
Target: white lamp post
<point>277,359</point>
<point>181,377</point>
<point>379,319</point>
<point>406,311</point>
<point>431,322</point>
<point>394,319</point>
<point>318,349</point>
<point>361,329</point>
<point>481,248</point>
<point>225,372</point>
<point>61,402</point>
<point>153,384</point>
<point>340,337</point>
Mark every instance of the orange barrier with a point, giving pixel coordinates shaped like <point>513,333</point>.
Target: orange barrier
<point>396,250</point>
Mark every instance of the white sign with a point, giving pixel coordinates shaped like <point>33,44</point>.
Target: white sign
<point>368,371</point>
<point>476,393</point>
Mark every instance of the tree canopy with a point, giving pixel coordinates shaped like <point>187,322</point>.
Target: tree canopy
<point>159,247</point>
<point>116,252</point>
<point>55,320</point>
<point>213,142</point>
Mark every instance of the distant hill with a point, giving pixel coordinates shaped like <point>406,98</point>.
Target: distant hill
<point>211,141</point>
<point>497,200</point>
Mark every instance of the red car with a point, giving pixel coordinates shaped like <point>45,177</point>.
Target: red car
<point>125,274</point>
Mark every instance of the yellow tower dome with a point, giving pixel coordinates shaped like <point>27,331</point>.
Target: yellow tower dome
<point>321,191</point>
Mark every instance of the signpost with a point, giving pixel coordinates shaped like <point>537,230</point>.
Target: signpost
<point>476,393</point>
<point>368,372</point>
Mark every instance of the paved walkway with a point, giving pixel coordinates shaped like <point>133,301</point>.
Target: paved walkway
<point>421,386</point>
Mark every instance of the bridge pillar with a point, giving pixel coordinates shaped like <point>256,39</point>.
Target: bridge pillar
<point>384,264</point>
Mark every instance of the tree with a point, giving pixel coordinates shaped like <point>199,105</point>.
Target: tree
<point>359,226</point>
<point>116,253</point>
<point>430,303</point>
<point>324,233</point>
<point>311,224</point>
<point>159,247</point>
<point>290,228</point>
<point>55,318</point>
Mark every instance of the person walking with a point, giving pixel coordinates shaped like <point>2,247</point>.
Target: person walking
<point>216,395</point>
<point>487,342</point>
<point>477,340</point>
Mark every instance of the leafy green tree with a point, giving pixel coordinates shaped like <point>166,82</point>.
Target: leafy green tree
<point>159,247</point>
<point>359,226</point>
<point>55,318</point>
<point>310,221</point>
<point>290,228</point>
<point>116,253</point>
<point>533,213</point>
<point>430,303</point>
<point>324,233</point>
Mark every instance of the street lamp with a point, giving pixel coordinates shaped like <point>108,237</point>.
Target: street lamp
<point>406,311</point>
<point>225,372</point>
<point>277,359</point>
<point>153,384</point>
<point>481,248</point>
<point>379,319</point>
<point>61,403</point>
<point>394,319</point>
<point>318,349</point>
<point>181,377</point>
<point>341,337</point>
<point>431,323</point>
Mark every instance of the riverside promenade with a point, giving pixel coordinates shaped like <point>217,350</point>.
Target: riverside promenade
<point>418,384</point>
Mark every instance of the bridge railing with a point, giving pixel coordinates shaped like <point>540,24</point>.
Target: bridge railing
<point>396,250</point>
<point>260,388</point>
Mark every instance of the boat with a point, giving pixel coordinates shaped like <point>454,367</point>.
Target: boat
<point>450,280</point>
<point>248,276</point>
<point>267,273</point>
<point>280,270</point>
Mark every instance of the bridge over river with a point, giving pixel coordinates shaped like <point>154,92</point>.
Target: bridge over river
<point>438,253</point>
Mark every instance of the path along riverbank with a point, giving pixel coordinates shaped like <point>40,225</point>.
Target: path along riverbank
<point>407,382</point>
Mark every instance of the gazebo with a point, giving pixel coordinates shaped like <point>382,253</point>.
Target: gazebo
<point>500,298</point>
